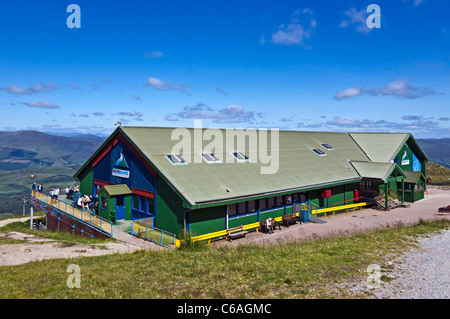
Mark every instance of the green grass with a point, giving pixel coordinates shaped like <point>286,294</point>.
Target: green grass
<point>287,270</point>
<point>63,237</point>
<point>439,174</point>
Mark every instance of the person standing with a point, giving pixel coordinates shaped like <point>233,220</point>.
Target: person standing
<point>52,195</point>
<point>33,189</point>
<point>56,194</point>
<point>39,188</point>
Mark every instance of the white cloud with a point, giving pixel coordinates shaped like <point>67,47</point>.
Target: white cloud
<point>161,85</point>
<point>230,114</point>
<point>42,105</point>
<point>358,18</point>
<point>154,54</point>
<point>348,93</point>
<point>398,88</point>
<point>295,33</point>
<point>35,88</point>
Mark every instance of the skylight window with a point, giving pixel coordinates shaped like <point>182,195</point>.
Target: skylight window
<point>319,152</point>
<point>240,156</point>
<point>176,159</point>
<point>211,158</point>
<point>328,147</point>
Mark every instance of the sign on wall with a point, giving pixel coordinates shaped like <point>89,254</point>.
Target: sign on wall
<point>405,159</point>
<point>121,168</point>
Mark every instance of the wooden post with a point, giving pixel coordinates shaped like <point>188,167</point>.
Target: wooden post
<point>31,216</point>
<point>386,198</point>
<point>403,191</point>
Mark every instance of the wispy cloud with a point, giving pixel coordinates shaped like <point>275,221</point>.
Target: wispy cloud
<point>222,91</point>
<point>399,89</point>
<point>419,123</point>
<point>230,114</point>
<point>130,114</point>
<point>137,98</point>
<point>357,18</point>
<point>42,105</point>
<point>295,33</point>
<point>154,54</point>
<point>35,88</point>
<point>162,85</point>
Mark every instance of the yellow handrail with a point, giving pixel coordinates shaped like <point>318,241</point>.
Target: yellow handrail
<point>337,208</point>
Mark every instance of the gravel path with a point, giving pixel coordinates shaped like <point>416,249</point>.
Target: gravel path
<point>422,273</point>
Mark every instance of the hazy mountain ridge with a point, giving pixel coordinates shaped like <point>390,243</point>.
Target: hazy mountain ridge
<point>21,149</point>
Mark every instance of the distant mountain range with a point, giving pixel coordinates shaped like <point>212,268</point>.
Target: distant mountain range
<point>21,149</point>
<point>437,150</point>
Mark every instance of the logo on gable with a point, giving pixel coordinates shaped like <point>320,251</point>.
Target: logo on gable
<point>121,168</point>
<point>405,159</point>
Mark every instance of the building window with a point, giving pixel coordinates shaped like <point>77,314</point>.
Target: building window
<point>270,202</point>
<point>319,152</point>
<point>211,158</point>
<point>136,202</point>
<point>328,147</point>
<point>143,202</point>
<point>176,159</point>
<point>263,204</point>
<point>103,202</point>
<point>241,208</point>
<point>119,201</point>
<point>288,199</point>
<point>251,206</point>
<point>279,201</point>
<point>231,208</point>
<point>240,156</point>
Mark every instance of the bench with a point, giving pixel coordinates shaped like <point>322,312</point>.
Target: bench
<point>289,219</point>
<point>236,232</point>
<point>263,227</point>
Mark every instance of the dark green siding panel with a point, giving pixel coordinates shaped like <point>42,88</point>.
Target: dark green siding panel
<point>127,207</point>
<point>169,209</point>
<point>86,182</point>
<point>314,197</point>
<point>234,222</point>
<point>272,214</point>
<point>207,220</point>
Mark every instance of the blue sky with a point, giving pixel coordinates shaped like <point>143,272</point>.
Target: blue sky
<point>293,65</point>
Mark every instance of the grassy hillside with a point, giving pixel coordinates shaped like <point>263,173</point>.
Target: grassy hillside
<point>23,149</point>
<point>14,184</point>
<point>439,174</point>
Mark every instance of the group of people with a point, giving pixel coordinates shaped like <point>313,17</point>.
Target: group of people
<point>38,188</point>
<point>87,202</point>
<point>69,192</point>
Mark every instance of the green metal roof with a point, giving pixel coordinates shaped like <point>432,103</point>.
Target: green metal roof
<point>376,170</point>
<point>299,167</point>
<point>380,147</point>
<point>413,177</point>
<point>117,190</point>
<point>354,155</point>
